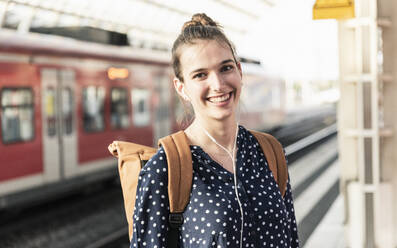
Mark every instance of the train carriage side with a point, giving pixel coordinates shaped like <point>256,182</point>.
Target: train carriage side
<point>21,158</point>
<point>59,113</point>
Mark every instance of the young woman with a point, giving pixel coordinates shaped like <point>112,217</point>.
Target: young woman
<point>235,201</point>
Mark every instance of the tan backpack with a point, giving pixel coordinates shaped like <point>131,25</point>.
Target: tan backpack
<point>132,157</point>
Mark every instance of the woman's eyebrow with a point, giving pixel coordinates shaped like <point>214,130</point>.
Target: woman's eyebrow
<point>227,61</point>
<point>222,63</point>
<point>197,70</point>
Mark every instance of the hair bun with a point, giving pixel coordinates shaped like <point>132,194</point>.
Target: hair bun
<point>200,19</point>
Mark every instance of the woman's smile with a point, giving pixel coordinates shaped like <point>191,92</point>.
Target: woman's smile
<point>221,99</point>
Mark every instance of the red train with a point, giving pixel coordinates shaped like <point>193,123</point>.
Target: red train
<point>63,101</point>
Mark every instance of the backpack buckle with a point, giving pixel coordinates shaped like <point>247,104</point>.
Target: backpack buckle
<point>175,220</point>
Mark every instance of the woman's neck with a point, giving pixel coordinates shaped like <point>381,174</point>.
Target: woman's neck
<point>224,132</point>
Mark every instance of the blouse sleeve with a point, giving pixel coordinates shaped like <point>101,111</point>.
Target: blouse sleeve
<point>151,206</point>
<point>292,226</point>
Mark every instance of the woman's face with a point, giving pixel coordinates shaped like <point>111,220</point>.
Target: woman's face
<point>212,79</point>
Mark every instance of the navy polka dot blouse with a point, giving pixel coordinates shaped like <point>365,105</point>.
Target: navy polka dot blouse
<point>213,217</point>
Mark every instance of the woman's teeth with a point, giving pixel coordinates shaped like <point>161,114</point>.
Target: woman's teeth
<point>220,98</point>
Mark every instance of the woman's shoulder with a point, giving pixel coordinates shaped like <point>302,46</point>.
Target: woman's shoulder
<point>156,165</point>
<point>246,135</point>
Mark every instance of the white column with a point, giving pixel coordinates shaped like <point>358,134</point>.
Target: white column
<point>368,191</point>
<point>386,199</point>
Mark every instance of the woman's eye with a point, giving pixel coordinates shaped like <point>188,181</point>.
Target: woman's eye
<point>199,75</point>
<point>227,68</point>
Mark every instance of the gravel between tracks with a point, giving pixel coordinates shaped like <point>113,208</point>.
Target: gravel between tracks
<point>75,224</point>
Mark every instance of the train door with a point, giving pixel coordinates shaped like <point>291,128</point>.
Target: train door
<point>68,121</point>
<point>162,122</point>
<point>59,129</point>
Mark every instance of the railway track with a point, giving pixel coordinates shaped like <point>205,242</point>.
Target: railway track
<point>97,220</point>
<point>70,222</point>
<point>116,239</point>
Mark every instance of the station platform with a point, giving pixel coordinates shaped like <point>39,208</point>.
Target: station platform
<point>317,201</point>
<point>329,233</point>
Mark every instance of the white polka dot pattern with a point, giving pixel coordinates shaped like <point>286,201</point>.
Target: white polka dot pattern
<point>212,217</point>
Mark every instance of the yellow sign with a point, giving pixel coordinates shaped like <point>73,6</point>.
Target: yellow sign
<point>333,9</point>
<point>50,102</point>
<point>117,73</point>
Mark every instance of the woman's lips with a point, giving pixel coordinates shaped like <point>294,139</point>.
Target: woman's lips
<point>221,98</point>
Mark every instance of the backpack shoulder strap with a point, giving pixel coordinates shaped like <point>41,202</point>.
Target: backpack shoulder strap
<point>275,157</point>
<point>180,170</point>
<point>180,176</point>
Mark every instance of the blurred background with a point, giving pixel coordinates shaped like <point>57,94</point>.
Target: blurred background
<point>76,75</point>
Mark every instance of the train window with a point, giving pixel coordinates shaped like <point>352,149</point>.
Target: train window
<point>67,108</point>
<point>17,123</point>
<point>93,105</point>
<point>50,111</point>
<point>119,117</point>
<point>140,99</point>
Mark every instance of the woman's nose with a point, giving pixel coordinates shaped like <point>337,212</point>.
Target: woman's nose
<point>217,81</point>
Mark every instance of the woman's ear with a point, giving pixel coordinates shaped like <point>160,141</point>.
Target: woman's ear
<point>180,89</point>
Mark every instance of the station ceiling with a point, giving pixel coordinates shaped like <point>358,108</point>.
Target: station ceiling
<point>146,22</point>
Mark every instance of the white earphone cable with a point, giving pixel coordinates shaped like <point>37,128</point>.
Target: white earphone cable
<point>233,158</point>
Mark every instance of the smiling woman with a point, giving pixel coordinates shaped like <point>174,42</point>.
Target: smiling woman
<point>235,200</point>
<point>212,81</point>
